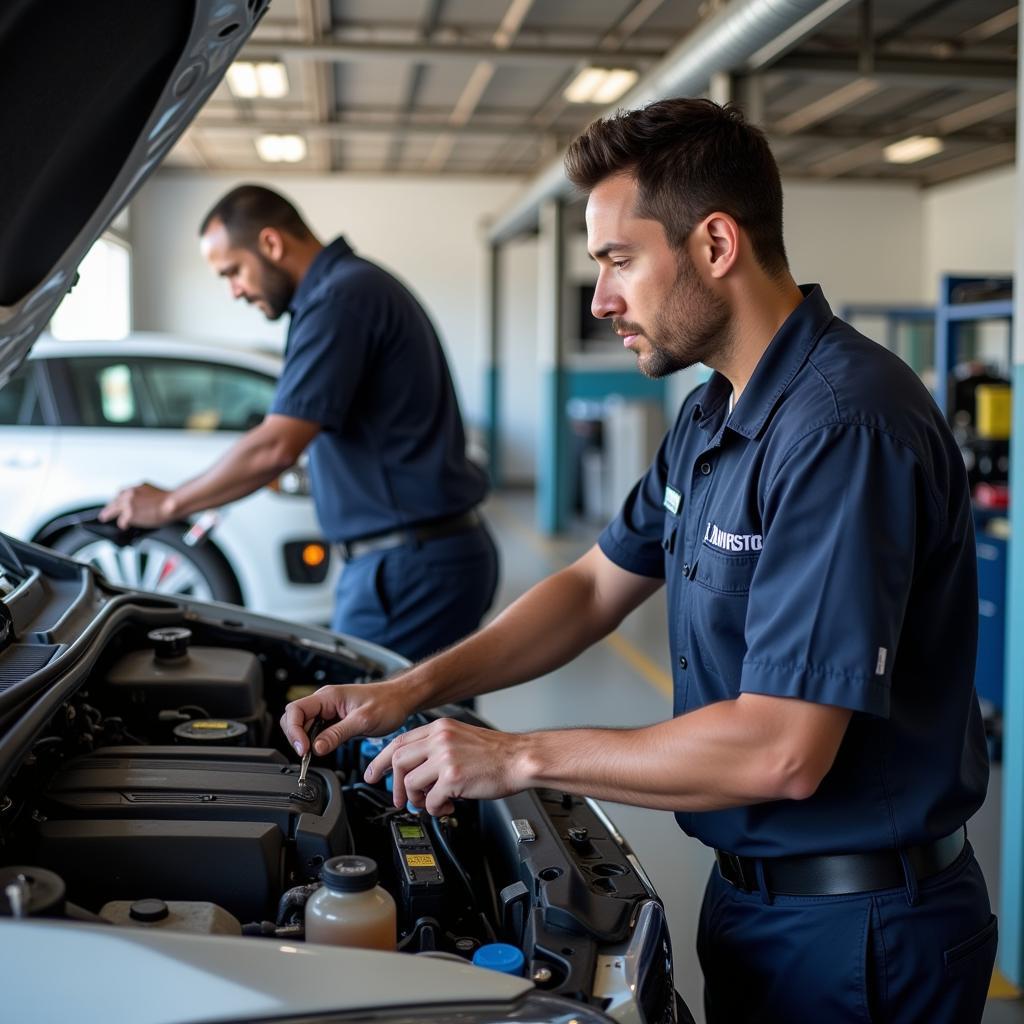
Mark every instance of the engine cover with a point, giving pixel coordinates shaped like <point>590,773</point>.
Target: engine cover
<point>222,824</point>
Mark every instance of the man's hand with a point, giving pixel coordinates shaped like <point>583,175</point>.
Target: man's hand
<point>438,763</point>
<point>357,709</point>
<point>144,505</point>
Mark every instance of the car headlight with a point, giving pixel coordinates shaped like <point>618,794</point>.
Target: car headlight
<point>533,1008</point>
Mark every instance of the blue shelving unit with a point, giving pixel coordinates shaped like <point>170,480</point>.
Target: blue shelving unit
<point>953,320</point>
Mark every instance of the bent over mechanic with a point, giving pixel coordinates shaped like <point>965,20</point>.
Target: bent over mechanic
<point>810,516</point>
<point>366,388</point>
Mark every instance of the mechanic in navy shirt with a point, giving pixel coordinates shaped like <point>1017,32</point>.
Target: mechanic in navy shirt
<point>366,389</point>
<point>810,517</point>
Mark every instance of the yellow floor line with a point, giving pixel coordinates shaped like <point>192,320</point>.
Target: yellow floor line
<point>1001,988</point>
<point>636,659</point>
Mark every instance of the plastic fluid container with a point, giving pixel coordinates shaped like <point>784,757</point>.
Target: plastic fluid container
<point>501,957</point>
<point>351,909</point>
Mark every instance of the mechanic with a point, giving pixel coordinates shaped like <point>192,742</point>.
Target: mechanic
<point>810,515</point>
<point>366,388</point>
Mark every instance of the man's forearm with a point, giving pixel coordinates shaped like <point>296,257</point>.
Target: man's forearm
<point>728,754</point>
<point>252,462</point>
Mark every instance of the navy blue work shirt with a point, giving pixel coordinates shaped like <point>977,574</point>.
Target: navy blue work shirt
<point>364,361</point>
<point>817,543</point>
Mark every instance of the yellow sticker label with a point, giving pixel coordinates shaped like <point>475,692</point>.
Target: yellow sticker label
<point>420,860</point>
<point>207,724</point>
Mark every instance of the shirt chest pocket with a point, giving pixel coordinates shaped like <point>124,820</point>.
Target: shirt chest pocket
<point>725,574</point>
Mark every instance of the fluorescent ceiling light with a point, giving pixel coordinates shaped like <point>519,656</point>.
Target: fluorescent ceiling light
<point>242,80</point>
<point>278,149</point>
<point>599,85</point>
<point>617,82</point>
<point>917,147</point>
<point>249,81</point>
<point>273,79</point>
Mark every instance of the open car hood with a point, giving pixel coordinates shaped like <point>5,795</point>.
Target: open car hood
<point>95,95</point>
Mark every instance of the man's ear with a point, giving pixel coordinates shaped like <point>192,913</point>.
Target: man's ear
<point>718,238</point>
<point>270,243</point>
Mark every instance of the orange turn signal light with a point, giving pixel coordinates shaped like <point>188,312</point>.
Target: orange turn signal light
<point>313,555</point>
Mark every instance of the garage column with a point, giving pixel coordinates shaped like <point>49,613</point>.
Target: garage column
<point>552,469</point>
<point>492,363</point>
<point>1011,911</point>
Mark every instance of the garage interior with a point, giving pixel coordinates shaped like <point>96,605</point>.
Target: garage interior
<point>430,133</point>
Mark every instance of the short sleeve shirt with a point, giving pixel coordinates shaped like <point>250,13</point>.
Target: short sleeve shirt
<point>364,361</point>
<point>817,544</point>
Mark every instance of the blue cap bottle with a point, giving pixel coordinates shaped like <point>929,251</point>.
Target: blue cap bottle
<point>500,956</point>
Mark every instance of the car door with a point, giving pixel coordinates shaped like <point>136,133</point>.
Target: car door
<point>27,445</point>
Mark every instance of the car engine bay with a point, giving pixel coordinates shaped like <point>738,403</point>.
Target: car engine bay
<point>160,793</point>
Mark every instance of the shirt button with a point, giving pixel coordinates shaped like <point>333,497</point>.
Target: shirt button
<point>705,468</point>
<point>682,661</point>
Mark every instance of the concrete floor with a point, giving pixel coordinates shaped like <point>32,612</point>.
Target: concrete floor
<point>626,683</point>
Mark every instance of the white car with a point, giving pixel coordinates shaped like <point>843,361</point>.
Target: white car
<point>80,420</point>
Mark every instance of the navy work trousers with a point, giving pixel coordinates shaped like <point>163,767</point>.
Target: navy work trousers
<point>868,957</point>
<point>419,598</point>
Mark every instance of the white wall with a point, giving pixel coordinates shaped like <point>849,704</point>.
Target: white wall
<point>425,230</point>
<point>969,227</point>
<point>861,241</point>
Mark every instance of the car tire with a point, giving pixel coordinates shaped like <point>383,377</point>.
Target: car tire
<point>158,561</point>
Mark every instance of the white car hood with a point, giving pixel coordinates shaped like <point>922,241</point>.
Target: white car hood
<point>92,974</point>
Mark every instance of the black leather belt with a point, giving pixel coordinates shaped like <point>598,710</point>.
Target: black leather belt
<point>396,538</point>
<point>840,874</point>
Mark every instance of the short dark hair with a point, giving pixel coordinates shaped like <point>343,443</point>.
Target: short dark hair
<point>246,210</point>
<point>689,157</point>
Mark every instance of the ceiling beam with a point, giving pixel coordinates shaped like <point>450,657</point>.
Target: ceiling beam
<point>972,163</point>
<point>822,109</point>
<point>883,134</point>
<point>348,52</point>
<point>479,79</point>
<point>413,83</point>
<point>992,26</point>
<point>345,129</point>
<point>910,71</point>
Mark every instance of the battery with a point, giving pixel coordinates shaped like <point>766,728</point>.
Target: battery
<point>417,867</point>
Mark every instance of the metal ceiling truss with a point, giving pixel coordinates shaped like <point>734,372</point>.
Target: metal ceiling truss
<point>840,66</point>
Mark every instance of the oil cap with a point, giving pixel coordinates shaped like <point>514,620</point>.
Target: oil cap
<point>500,956</point>
<point>148,911</point>
<point>211,730</point>
<point>349,873</point>
<point>170,642</point>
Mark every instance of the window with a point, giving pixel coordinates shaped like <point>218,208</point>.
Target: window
<point>169,394</point>
<point>19,399</point>
<point>99,305</point>
<point>205,396</point>
<point>106,392</point>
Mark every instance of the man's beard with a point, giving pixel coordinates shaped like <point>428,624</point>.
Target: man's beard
<point>276,288</point>
<point>692,326</point>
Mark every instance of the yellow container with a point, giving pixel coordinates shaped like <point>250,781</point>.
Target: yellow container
<point>993,411</point>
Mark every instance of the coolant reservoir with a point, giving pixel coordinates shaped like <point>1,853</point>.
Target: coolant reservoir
<point>351,909</point>
<point>174,915</point>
